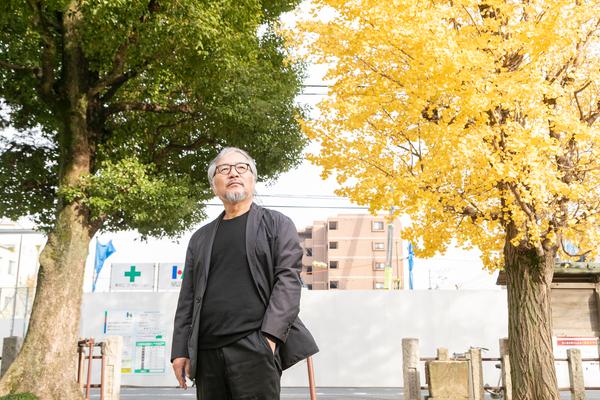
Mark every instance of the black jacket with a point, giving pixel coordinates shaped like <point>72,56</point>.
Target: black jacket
<point>275,260</point>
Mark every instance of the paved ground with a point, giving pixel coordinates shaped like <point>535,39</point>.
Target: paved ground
<point>291,394</point>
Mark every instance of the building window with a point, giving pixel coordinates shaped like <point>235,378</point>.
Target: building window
<point>377,226</point>
<point>378,266</point>
<point>333,264</point>
<point>333,284</point>
<point>309,286</point>
<point>308,252</point>
<point>333,245</point>
<point>332,225</point>
<point>378,246</point>
<point>309,269</point>
<point>378,285</point>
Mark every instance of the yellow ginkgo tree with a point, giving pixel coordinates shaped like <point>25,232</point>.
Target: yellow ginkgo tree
<point>480,120</point>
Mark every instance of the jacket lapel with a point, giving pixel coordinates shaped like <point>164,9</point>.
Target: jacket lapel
<point>252,225</point>
<point>207,247</point>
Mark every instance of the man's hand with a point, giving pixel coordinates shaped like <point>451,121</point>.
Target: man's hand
<point>181,367</point>
<point>271,344</point>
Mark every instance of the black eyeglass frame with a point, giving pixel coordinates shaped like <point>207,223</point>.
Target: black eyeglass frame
<point>228,170</point>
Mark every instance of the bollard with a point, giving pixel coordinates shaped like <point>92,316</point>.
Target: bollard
<point>506,382</point>
<point>112,349</point>
<point>576,374</point>
<point>10,350</point>
<point>410,369</point>
<point>476,373</point>
<point>442,354</point>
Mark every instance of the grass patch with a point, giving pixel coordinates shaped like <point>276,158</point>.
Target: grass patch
<point>19,396</point>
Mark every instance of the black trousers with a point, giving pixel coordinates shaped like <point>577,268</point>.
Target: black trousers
<point>244,370</point>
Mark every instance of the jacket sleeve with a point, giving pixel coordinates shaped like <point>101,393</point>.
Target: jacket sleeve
<point>185,309</point>
<point>284,303</point>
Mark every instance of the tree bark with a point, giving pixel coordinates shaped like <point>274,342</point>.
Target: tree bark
<point>47,363</point>
<point>529,277</point>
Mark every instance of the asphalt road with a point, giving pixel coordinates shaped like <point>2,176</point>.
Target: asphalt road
<point>290,394</point>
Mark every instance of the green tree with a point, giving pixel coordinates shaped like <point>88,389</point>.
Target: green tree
<point>481,121</point>
<point>118,106</point>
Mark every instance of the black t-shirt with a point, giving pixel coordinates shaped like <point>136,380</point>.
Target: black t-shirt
<point>231,307</point>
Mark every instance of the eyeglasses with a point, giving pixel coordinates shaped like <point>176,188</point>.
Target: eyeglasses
<point>225,169</point>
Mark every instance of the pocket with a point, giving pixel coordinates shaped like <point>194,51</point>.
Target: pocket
<point>265,342</point>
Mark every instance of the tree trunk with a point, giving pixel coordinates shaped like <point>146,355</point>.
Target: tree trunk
<point>529,277</point>
<point>47,363</point>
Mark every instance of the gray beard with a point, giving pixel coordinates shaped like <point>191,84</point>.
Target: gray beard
<point>235,197</point>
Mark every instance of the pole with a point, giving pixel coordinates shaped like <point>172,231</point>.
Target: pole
<point>25,312</point>
<point>429,277</point>
<point>398,268</point>
<point>311,379</point>
<point>94,266</point>
<point>14,310</point>
<point>390,248</point>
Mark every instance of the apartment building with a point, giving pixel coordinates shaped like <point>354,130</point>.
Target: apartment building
<point>348,251</point>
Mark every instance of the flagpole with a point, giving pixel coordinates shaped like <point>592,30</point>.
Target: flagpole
<point>94,266</point>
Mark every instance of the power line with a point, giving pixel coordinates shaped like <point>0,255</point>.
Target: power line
<point>295,206</point>
<point>304,196</point>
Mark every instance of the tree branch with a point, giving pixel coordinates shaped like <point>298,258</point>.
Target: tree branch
<point>49,51</point>
<point>575,59</point>
<point>178,147</point>
<point>525,207</point>
<point>117,76</point>
<point>116,85</point>
<point>149,107</point>
<point>562,245</point>
<point>17,67</point>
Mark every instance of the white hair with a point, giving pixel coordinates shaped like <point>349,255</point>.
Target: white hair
<point>212,166</point>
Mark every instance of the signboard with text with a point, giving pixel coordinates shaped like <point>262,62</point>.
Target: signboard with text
<point>132,277</point>
<point>144,343</point>
<point>170,276</point>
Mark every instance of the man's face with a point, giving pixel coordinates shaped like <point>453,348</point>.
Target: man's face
<point>233,187</point>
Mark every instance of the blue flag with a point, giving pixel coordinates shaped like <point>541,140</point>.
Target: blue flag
<point>411,263</point>
<point>103,251</point>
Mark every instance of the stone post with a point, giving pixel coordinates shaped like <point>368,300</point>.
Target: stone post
<point>410,369</point>
<point>476,373</point>
<point>576,374</point>
<point>112,349</point>
<point>11,347</point>
<point>442,354</point>
<point>506,382</point>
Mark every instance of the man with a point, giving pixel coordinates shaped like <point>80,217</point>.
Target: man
<point>236,326</point>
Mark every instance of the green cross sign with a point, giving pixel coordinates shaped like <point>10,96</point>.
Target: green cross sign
<point>132,274</point>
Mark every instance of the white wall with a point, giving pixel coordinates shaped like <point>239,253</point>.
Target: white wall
<point>359,332</point>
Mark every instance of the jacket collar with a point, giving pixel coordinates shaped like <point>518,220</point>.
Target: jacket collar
<point>254,216</point>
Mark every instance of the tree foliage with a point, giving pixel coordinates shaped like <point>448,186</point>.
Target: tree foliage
<point>469,116</point>
<point>116,108</point>
<point>164,86</point>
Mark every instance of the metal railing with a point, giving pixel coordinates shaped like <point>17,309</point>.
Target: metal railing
<point>85,350</point>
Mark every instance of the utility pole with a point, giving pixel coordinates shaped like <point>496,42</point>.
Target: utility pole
<point>390,246</point>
